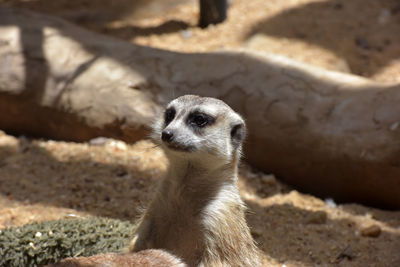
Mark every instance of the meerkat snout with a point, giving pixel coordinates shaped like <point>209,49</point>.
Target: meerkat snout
<point>167,136</point>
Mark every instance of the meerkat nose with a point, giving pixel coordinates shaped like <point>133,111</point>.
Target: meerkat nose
<point>167,136</point>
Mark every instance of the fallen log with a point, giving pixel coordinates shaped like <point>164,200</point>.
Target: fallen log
<point>331,134</point>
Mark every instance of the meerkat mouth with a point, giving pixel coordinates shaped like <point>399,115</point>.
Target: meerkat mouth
<point>181,148</point>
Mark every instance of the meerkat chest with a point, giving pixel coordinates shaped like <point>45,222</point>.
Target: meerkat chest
<point>177,229</point>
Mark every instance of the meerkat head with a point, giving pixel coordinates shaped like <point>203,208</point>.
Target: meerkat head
<point>195,127</point>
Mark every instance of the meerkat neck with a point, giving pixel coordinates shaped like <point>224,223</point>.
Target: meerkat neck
<point>185,174</point>
<point>199,216</point>
<point>189,189</point>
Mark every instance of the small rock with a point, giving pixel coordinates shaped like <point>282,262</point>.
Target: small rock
<point>384,16</point>
<point>317,217</point>
<point>118,145</point>
<point>330,203</point>
<point>186,34</point>
<point>121,172</point>
<point>99,141</point>
<point>371,231</point>
<point>394,126</point>
<point>347,253</point>
<point>368,215</point>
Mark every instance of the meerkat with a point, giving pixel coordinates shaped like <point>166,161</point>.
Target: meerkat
<point>197,217</point>
<point>197,213</point>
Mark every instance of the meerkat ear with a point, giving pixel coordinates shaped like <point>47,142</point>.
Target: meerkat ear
<point>238,133</point>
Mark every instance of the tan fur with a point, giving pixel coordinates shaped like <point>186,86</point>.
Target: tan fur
<point>197,213</point>
<point>145,258</point>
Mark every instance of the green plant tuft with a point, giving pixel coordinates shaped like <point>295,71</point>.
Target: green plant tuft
<point>42,243</point>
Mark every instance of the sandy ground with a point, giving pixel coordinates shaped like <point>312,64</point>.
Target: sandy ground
<point>41,180</point>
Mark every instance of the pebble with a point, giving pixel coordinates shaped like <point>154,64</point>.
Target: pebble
<point>330,203</point>
<point>118,144</point>
<point>371,231</point>
<point>394,126</point>
<point>384,16</point>
<point>368,215</point>
<point>317,217</point>
<point>186,34</point>
<point>347,253</point>
<point>99,141</point>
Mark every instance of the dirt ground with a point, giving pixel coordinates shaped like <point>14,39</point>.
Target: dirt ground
<point>41,180</point>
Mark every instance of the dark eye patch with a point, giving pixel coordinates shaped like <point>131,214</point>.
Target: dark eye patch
<point>199,120</point>
<point>169,115</point>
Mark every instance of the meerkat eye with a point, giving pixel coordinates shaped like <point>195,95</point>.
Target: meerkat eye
<point>169,115</point>
<point>200,120</point>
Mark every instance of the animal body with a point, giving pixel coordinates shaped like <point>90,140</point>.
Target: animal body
<point>197,214</point>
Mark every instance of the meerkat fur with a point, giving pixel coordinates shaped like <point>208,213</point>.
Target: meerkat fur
<point>197,213</point>
<point>144,258</point>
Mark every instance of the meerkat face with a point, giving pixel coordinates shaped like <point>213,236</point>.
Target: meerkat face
<point>194,126</point>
